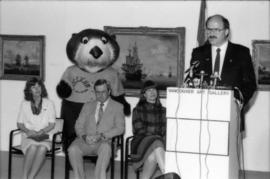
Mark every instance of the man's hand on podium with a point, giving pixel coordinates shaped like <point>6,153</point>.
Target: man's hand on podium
<point>240,104</point>
<point>238,97</point>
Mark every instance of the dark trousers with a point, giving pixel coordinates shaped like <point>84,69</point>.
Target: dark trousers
<point>69,113</point>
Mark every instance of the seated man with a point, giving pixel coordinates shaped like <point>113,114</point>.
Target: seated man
<point>98,123</point>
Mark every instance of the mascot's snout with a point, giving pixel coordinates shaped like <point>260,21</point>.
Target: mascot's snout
<point>96,52</point>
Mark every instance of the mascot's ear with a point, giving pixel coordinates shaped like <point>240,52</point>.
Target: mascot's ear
<point>72,46</point>
<point>121,99</point>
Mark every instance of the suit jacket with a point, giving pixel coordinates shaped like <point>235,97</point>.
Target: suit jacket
<point>111,124</point>
<point>237,70</point>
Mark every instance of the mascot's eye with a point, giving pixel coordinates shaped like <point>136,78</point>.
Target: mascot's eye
<point>85,40</point>
<point>104,40</point>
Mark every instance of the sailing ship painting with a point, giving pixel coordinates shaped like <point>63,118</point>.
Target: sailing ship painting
<point>261,54</point>
<point>132,67</point>
<point>147,53</point>
<point>147,58</point>
<point>22,57</point>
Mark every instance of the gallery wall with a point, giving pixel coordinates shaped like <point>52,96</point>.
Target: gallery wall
<point>57,20</point>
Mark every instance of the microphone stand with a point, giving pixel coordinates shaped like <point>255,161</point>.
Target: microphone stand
<point>189,78</point>
<point>215,77</point>
<point>202,74</point>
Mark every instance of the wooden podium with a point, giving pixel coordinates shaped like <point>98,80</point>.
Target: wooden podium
<point>202,130</point>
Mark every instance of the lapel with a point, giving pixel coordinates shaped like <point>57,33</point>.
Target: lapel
<point>93,113</point>
<point>108,109</point>
<point>208,55</point>
<point>227,58</point>
<point>207,60</point>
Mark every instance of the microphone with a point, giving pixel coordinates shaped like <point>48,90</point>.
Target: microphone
<point>193,65</point>
<point>215,79</point>
<point>190,72</point>
<point>202,74</point>
<point>196,63</point>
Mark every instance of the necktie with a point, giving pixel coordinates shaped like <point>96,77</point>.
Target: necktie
<point>217,62</point>
<point>100,112</point>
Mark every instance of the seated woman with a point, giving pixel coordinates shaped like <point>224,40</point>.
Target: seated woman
<point>36,118</point>
<point>149,130</point>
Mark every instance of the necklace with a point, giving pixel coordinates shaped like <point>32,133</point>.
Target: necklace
<point>36,110</point>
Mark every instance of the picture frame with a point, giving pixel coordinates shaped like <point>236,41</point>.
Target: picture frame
<point>22,57</point>
<point>261,58</point>
<point>148,53</point>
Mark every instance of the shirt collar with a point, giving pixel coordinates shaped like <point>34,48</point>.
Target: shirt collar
<point>104,104</point>
<point>223,47</point>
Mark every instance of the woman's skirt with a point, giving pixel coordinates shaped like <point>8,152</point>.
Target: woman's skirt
<point>142,147</point>
<point>27,142</point>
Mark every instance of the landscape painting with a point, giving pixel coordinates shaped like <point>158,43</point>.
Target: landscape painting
<point>261,57</point>
<point>22,57</point>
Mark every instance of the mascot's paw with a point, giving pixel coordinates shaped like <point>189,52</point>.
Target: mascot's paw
<point>121,99</point>
<point>127,110</point>
<point>63,89</point>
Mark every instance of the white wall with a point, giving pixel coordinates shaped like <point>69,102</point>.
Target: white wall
<point>58,20</point>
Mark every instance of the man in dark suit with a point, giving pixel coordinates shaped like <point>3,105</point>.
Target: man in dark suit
<point>228,63</point>
<point>98,122</point>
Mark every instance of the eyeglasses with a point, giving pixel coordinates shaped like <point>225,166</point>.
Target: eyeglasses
<point>101,92</point>
<point>215,30</point>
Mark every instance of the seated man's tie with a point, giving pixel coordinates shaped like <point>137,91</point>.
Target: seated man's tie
<point>100,113</point>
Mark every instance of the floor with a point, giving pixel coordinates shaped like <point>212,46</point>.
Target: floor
<point>46,169</point>
<point>59,169</point>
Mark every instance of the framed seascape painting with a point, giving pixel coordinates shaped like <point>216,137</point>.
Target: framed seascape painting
<point>147,53</point>
<point>21,57</point>
<point>261,57</point>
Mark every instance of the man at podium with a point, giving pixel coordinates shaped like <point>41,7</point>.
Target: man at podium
<point>222,63</point>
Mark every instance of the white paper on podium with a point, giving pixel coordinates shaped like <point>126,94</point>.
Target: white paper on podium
<point>191,103</point>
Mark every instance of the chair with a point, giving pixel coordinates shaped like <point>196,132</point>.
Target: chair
<point>129,159</point>
<point>117,143</point>
<point>56,137</point>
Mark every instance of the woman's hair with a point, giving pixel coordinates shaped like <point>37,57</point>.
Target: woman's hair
<point>148,85</point>
<point>32,82</point>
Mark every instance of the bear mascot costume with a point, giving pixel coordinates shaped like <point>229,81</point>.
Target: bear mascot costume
<point>92,53</point>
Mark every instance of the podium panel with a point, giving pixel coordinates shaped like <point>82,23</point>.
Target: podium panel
<point>202,130</point>
<point>194,136</point>
<point>195,166</point>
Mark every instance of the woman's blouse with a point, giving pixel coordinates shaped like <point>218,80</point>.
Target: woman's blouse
<point>37,122</point>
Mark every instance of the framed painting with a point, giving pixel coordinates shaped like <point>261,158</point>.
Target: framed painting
<point>21,57</point>
<point>261,58</point>
<point>147,53</point>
